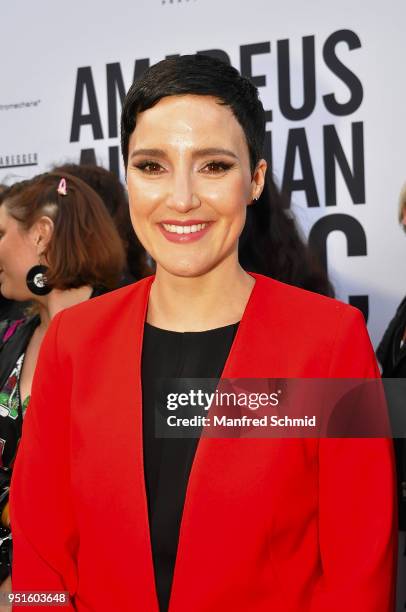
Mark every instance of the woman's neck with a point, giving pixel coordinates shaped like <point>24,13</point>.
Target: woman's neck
<point>211,300</point>
<point>58,300</point>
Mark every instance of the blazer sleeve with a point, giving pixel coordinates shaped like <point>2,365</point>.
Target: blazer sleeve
<point>45,538</point>
<point>357,510</point>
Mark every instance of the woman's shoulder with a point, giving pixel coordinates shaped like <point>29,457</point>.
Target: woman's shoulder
<point>105,303</point>
<point>110,311</point>
<point>294,302</point>
<point>311,333</point>
<point>8,327</point>
<point>14,338</point>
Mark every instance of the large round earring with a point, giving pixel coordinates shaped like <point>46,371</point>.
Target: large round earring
<point>37,281</point>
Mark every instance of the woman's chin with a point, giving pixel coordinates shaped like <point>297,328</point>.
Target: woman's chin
<point>9,294</point>
<point>184,269</point>
<point>4,293</point>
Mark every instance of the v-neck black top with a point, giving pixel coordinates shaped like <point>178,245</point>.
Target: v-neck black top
<point>168,461</point>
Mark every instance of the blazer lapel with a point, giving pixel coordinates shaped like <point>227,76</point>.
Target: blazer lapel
<point>128,511</point>
<point>136,324</point>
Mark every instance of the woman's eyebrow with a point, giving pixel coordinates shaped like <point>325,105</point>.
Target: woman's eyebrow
<point>214,151</point>
<point>195,152</point>
<point>149,152</point>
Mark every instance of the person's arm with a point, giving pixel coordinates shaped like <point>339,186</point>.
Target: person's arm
<point>45,539</point>
<point>357,512</point>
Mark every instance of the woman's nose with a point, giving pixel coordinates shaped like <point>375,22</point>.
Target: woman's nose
<point>183,197</point>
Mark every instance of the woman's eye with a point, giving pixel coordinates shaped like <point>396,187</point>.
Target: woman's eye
<point>150,167</point>
<point>214,167</point>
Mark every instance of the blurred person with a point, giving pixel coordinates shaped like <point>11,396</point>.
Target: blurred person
<point>58,247</point>
<point>10,309</point>
<point>391,354</point>
<point>197,524</point>
<point>114,196</point>
<point>391,351</point>
<point>271,244</point>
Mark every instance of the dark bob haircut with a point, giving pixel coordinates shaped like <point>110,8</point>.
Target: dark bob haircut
<point>197,75</point>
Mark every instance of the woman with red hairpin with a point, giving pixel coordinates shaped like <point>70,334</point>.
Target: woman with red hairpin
<point>58,247</point>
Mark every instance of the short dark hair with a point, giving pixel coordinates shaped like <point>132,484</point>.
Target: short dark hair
<point>85,248</point>
<point>197,75</point>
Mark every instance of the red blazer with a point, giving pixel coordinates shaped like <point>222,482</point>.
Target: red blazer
<point>281,525</point>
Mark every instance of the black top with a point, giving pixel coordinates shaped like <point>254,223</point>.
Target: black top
<point>167,462</point>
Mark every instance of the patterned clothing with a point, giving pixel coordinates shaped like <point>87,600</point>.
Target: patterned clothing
<point>12,412</point>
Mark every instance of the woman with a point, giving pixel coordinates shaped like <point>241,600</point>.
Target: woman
<point>136,522</point>
<point>58,247</point>
<point>114,197</point>
<point>391,354</point>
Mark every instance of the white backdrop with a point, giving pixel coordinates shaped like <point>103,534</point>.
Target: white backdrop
<point>50,53</point>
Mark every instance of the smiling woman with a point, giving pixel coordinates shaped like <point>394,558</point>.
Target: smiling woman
<point>193,189</point>
<point>192,137</point>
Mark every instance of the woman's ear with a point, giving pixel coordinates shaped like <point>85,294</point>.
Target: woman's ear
<point>41,232</point>
<point>258,179</point>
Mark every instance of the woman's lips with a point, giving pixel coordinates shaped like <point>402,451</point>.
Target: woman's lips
<point>184,232</point>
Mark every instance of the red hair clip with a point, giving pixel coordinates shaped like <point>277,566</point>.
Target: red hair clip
<point>62,189</point>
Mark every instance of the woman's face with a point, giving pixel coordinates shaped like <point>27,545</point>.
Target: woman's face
<point>18,253</point>
<point>189,183</point>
